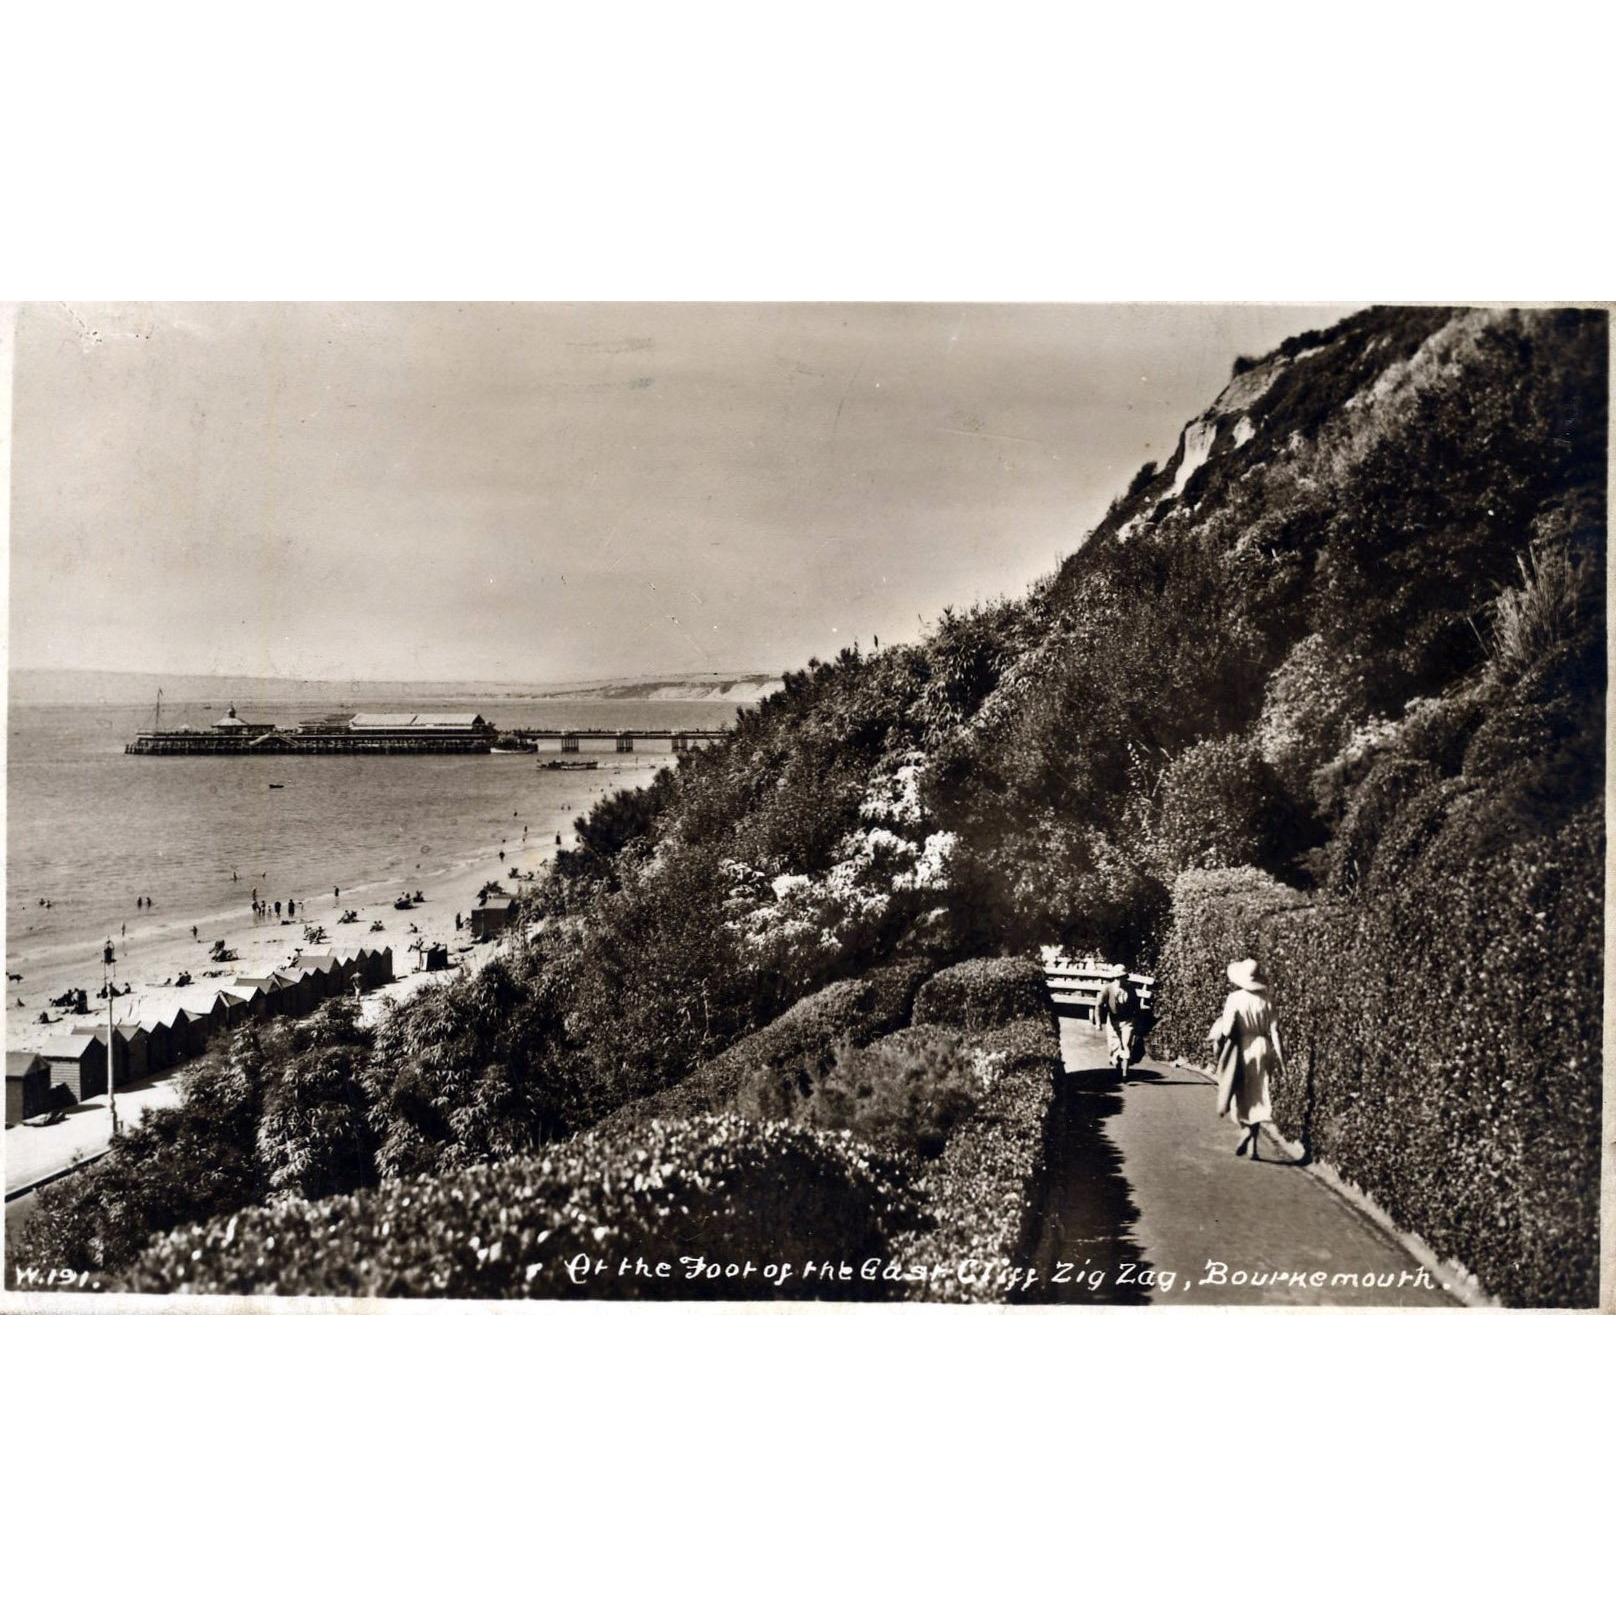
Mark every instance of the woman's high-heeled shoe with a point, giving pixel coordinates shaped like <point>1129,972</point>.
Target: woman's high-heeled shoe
<point>1240,1149</point>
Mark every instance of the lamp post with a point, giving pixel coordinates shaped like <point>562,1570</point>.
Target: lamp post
<point>108,959</point>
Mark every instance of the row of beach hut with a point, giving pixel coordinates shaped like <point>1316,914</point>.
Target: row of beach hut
<point>178,1027</point>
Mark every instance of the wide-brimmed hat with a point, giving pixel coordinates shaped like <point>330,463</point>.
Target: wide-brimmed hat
<point>1244,974</point>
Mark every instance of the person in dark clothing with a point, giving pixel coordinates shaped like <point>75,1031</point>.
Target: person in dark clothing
<point>1118,1011</point>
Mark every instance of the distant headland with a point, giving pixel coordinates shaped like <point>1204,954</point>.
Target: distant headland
<point>93,687</point>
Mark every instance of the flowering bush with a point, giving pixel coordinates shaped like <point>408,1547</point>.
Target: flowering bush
<point>882,873</point>
<point>583,1219</point>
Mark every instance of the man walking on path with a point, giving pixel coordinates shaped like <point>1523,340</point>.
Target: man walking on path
<point>1118,1011</point>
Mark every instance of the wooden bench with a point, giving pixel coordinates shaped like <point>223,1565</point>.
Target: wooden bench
<point>1076,984</point>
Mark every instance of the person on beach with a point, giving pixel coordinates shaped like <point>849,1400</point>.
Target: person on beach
<point>1246,1037</point>
<point>291,908</point>
<point>193,934</point>
<point>1118,1011</point>
<point>277,908</point>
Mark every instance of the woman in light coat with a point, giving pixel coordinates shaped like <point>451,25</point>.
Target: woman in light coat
<point>1249,1053</point>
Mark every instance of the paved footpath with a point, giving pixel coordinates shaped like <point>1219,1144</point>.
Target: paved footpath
<point>1144,1172</point>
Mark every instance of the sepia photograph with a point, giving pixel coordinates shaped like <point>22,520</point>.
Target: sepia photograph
<point>1030,804</point>
<point>805,807</point>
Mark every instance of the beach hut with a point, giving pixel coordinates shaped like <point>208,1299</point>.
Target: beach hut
<point>130,1061</point>
<point>28,1085</point>
<point>323,972</point>
<point>161,1046</point>
<point>329,976</point>
<point>246,1004</point>
<point>492,916</point>
<point>207,1012</point>
<point>375,966</point>
<point>271,990</point>
<point>248,1001</point>
<point>297,990</point>
<point>78,1061</point>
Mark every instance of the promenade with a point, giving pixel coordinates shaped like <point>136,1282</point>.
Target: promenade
<point>1143,1183</point>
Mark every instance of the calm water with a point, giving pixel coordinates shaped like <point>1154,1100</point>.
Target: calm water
<point>91,829</point>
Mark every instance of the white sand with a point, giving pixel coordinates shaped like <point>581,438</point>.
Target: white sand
<point>158,950</point>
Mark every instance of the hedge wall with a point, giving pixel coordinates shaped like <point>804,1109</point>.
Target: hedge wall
<point>1442,1036</point>
<point>983,993</point>
<point>725,1190</point>
<point>979,1196</point>
<point>860,1010</point>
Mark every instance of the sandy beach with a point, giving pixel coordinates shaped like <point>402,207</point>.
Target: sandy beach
<point>156,950</point>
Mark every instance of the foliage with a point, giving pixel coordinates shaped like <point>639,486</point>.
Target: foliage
<point>803,1039</point>
<point>725,1190</point>
<point>314,1137</point>
<point>980,1194</point>
<point>1223,804</point>
<point>475,1068</point>
<point>1311,702</point>
<point>1442,1039</point>
<point>905,1094</point>
<point>982,993</point>
<point>201,1157</point>
<point>1540,614</point>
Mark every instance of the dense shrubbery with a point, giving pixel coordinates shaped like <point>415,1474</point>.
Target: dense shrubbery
<point>983,993</point>
<point>476,1068</point>
<point>1442,1036</point>
<point>803,1040</point>
<point>723,1189</point>
<point>906,1093</point>
<point>284,1085</point>
<point>1223,804</point>
<point>980,1194</point>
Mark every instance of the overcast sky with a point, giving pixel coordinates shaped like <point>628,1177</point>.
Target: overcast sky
<point>547,491</point>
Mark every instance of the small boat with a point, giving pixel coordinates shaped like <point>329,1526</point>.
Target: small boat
<point>275,785</point>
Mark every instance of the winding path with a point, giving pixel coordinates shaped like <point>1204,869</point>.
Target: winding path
<point>1143,1181</point>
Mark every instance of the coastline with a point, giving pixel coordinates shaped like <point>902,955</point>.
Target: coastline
<point>160,949</point>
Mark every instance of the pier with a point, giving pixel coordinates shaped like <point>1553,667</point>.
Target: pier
<point>392,733</point>
<point>571,740</point>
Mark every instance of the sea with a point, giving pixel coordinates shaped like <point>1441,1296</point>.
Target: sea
<point>91,829</point>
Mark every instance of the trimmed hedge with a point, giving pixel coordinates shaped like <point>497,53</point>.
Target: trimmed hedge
<point>724,1190</point>
<point>983,993</point>
<point>1442,1035</point>
<point>905,1093</point>
<point>980,1195</point>
<point>805,1035</point>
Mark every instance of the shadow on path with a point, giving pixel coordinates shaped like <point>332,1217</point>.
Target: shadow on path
<point>1085,1209</point>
